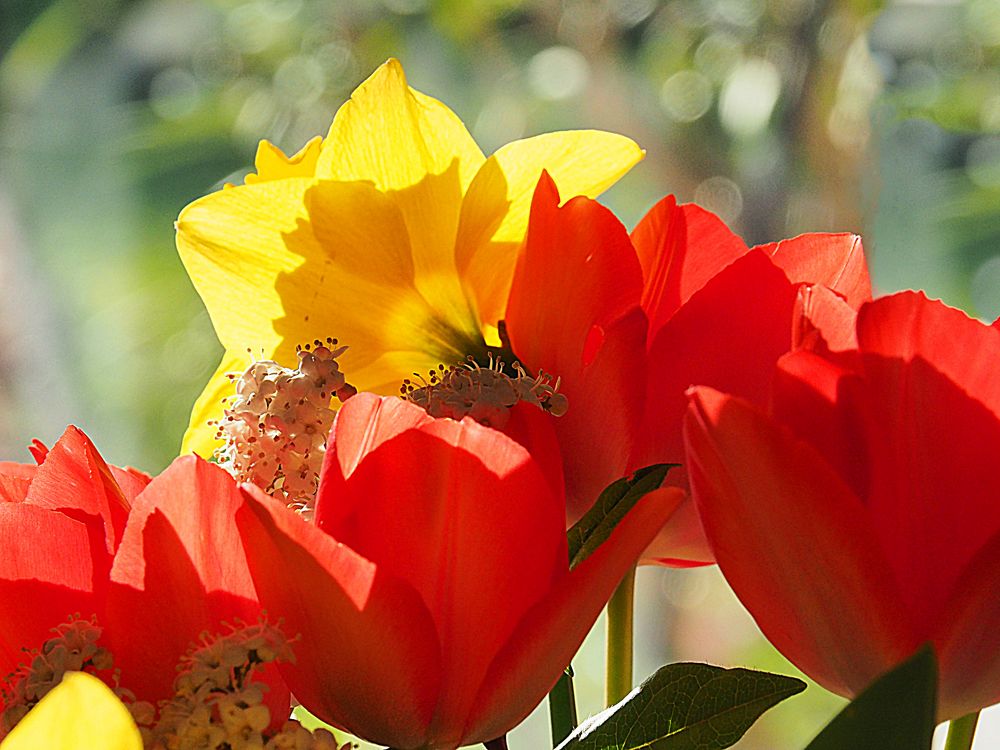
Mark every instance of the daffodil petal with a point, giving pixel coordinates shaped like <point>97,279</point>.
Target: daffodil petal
<point>282,263</point>
<point>80,713</point>
<point>272,164</point>
<point>395,136</point>
<point>235,244</point>
<point>200,435</point>
<point>495,210</point>
<point>414,148</point>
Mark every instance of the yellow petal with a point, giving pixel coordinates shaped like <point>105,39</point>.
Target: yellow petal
<point>495,211</point>
<point>395,136</point>
<point>200,436</point>
<point>80,713</point>
<point>277,268</point>
<point>413,147</point>
<point>272,164</point>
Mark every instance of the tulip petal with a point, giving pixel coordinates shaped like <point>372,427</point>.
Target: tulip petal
<point>495,210</point>
<point>466,517</point>
<point>47,565</point>
<point>908,325</point>
<point>926,441</point>
<point>680,248</point>
<point>968,637</point>
<point>75,480</point>
<point>180,571</point>
<point>593,340</point>
<point>551,632</point>
<point>368,658</point>
<point>823,320</point>
<point>15,479</point>
<point>795,545</point>
<point>728,335</point>
<point>834,260</point>
<point>80,713</point>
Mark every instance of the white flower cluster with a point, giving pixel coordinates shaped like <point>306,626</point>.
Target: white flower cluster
<point>276,426</point>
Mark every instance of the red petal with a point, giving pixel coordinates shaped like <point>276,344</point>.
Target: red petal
<point>180,571</point>
<point>968,637</point>
<point>75,480</point>
<point>833,260</point>
<point>545,640</point>
<point>573,312</point>
<point>14,481</point>
<point>680,248</point>
<point>577,270</point>
<point>823,320</point>
<point>795,544</point>
<point>933,491</point>
<point>368,658</point>
<point>729,336</point>
<point>466,517</point>
<point>46,575</point>
<point>908,325</point>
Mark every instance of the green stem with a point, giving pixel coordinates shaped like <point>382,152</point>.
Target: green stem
<point>961,731</point>
<point>618,678</point>
<point>562,708</point>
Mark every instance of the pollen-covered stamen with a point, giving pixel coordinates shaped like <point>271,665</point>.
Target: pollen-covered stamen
<point>73,648</point>
<point>276,426</point>
<point>485,394</point>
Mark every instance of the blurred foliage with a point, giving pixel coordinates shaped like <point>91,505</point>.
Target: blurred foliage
<point>781,115</point>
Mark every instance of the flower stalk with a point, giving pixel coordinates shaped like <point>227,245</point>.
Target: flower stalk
<point>618,678</point>
<point>961,732</point>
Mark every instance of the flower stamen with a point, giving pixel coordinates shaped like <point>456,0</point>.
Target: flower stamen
<point>276,426</point>
<point>486,394</point>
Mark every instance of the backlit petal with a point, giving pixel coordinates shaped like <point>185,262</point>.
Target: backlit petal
<point>496,207</point>
<point>272,164</point>
<point>793,542</point>
<point>200,435</point>
<point>550,633</point>
<point>728,335</point>
<point>968,637</point>
<point>338,260</point>
<point>75,479</point>
<point>418,152</point>
<point>367,657</point>
<point>834,260</point>
<point>680,247</point>
<point>80,713</point>
<point>180,571</point>
<point>908,325</point>
<point>464,515</point>
<point>47,560</point>
<point>592,338</point>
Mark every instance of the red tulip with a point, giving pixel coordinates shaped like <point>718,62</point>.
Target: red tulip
<point>433,596</point>
<point>157,562</point>
<point>857,517</point>
<point>629,323</point>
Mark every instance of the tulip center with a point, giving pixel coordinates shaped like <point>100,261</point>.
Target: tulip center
<point>275,428</point>
<point>216,701</point>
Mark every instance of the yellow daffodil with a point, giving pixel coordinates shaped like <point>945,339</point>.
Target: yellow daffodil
<point>394,233</point>
<point>80,713</point>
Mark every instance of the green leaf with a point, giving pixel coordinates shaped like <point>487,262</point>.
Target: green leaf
<point>685,707</point>
<point>896,712</point>
<point>617,499</point>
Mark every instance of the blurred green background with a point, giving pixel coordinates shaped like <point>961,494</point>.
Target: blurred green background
<point>781,115</point>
